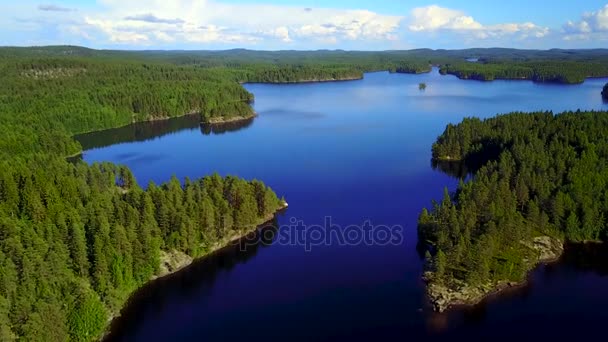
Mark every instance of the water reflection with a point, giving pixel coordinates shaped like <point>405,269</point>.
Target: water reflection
<point>456,169</point>
<point>144,131</point>
<point>197,278</point>
<point>221,128</point>
<point>140,131</point>
<point>589,257</point>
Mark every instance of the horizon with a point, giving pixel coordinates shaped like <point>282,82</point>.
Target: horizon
<point>299,50</point>
<point>281,25</point>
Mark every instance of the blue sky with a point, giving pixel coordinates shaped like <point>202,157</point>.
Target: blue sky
<point>311,24</point>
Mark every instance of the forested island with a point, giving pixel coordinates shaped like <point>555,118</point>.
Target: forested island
<point>561,72</point>
<point>539,180</point>
<point>605,92</point>
<point>77,239</point>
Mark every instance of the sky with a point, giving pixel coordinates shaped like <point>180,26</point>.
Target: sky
<point>305,24</point>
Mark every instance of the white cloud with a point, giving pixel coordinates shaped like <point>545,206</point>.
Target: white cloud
<point>435,18</point>
<point>208,21</point>
<point>225,24</point>
<point>117,35</point>
<point>591,24</point>
<point>150,18</point>
<point>54,8</point>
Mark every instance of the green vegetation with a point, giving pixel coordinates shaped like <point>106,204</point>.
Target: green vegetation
<point>76,240</point>
<point>546,71</point>
<point>534,174</point>
<point>45,101</point>
<point>422,86</point>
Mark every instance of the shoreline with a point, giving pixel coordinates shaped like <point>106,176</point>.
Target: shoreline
<point>218,245</point>
<point>218,120</point>
<point>443,298</point>
<point>530,79</point>
<point>320,80</point>
<point>155,119</point>
<point>182,266</point>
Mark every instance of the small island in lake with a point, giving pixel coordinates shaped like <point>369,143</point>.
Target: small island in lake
<point>535,186</point>
<point>422,86</point>
<point>605,92</point>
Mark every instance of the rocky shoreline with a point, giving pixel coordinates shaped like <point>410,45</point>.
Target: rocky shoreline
<point>442,297</point>
<point>223,119</point>
<point>173,261</point>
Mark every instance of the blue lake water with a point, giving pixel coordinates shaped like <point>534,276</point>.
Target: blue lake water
<point>352,151</point>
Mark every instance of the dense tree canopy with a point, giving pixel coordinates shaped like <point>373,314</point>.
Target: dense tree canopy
<point>534,174</point>
<point>76,240</point>
<point>44,101</point>
<point>545,71</point>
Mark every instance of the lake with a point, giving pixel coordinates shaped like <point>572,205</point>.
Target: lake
<point>348,152</point>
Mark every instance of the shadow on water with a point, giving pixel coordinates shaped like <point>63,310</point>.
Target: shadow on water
<point>589,257</point>
<point>455,169</point>
<point>143,131</point>
<point>195,278</point>
<point>140,131</point>
<point>221,128</point>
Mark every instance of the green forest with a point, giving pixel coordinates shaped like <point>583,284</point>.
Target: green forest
<point>547,71</point>
<point>77,239</point>
<point>44,101</point>
<point>534,174</point>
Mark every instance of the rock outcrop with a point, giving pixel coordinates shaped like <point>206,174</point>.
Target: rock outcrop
<point>460,293</point>
<point>172,261</point>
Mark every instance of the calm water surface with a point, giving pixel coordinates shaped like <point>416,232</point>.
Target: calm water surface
<point>353,151</point>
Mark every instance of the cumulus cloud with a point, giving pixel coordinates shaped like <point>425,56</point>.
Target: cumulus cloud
<point>220,23</point>
<point>210,21</point>
<point>435,18</point>
<point>150,18</point>
<point>590,24</point>
<point>54,8</point>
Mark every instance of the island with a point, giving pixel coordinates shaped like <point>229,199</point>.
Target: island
<point>542,71</point>
<point>538,182</point>
<point>605,92</point>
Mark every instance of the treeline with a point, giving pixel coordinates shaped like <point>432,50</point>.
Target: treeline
<point>76,240</point>
<point>540,174</point>
<point>542,71</point>
<point>296,73</point>
<point>43,101</point>
<point>410,68</point>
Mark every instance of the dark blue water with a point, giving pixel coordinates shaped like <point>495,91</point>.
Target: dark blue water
<point>352,151</point>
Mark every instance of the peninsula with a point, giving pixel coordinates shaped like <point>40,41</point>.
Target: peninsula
<point>536,184</point>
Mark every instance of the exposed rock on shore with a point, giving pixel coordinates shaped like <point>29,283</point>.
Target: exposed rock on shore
<point>172,261</point>
<point>460,293</point>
